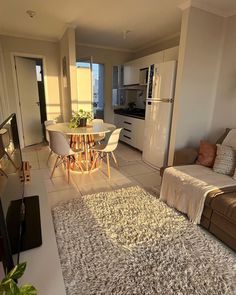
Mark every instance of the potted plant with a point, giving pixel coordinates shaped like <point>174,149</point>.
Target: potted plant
<point>8,285</point>
<point>79,119</point>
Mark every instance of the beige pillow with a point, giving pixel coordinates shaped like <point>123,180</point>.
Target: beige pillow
<point>230,139</point>
<point>225,160</point>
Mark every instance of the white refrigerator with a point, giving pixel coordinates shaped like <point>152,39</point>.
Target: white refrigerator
<point>159,105</point>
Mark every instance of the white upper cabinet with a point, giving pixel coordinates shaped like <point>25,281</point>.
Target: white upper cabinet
<point>131,68</point>
<point>131,73</point>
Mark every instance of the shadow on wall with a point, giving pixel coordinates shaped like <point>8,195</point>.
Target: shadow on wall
<point>54,112</point>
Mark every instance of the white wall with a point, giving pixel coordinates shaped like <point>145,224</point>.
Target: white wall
<point>109,58</point>
<point>199,59</point>
<point>225,106</point>
<point>50,52</point>
<point>69,84</point>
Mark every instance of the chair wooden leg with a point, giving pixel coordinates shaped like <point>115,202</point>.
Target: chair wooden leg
<point>101,159</point>
<point>50,154</point>
<point>54,167</point>
<point>114,158</point>
<point>108,166</point>
<point>94,162</point>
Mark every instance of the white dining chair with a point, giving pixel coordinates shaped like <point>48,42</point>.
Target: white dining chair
<point>46,124</point>
<point>101,136</point>
<point>65,155</point>
<point>107,150</point>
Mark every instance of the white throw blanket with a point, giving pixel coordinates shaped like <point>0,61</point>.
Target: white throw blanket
<point>186,187</point>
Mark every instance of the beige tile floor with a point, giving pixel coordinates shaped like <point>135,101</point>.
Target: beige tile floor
<point>132,171</point>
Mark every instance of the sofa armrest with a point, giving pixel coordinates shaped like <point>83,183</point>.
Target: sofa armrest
<point>185,156</point>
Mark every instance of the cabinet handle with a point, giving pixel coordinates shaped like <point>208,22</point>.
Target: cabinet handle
<point>127,136</point>
<point>127,123</point>
<point>127,130</point>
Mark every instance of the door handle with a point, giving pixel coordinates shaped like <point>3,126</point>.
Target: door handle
<point>38,103</point>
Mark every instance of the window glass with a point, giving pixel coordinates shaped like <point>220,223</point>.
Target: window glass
<point>38,73</point>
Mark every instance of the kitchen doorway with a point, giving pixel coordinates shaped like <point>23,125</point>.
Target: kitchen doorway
<point>31,95</point>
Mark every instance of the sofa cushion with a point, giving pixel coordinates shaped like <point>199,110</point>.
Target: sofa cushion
<point>223,230</point>
<point>185,156</point>
<point>206,154</point>
<point>225,160</point>
<point>230,139</point>
<point>223,136</point>
<point>225,205</point>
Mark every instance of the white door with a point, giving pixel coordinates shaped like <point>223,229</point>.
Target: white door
<point>29,100</point>
<point>156,133</point>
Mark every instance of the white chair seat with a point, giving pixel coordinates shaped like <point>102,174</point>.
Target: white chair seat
<point>48,123</point>
<point>109,148</point>
<point>61,147</point>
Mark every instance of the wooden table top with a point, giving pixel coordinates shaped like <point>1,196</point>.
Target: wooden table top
<point>92,128</point>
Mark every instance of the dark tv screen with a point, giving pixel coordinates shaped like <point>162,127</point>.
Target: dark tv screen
<point>11,193</point>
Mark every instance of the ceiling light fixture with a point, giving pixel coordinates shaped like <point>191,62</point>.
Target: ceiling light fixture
<point>125,33</point>
<point>31,13</point>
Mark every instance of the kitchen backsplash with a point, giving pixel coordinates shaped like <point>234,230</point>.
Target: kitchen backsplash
<point>136,96</point>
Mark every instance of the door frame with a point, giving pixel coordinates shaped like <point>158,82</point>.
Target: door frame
<point>17,97</point>
<point>4,101</point>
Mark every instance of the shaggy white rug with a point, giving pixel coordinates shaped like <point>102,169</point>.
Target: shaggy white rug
<point>128,242</point>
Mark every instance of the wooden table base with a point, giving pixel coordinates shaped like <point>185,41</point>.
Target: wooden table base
<point>87,157</point>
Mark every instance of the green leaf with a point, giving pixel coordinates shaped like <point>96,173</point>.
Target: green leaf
<point>5,281</point>
<point>13,288</point>
<point>9,287</point>
<point>28,290</point>
<point>17,271</point>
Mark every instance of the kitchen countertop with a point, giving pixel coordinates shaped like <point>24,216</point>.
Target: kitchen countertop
<point>135,113</point>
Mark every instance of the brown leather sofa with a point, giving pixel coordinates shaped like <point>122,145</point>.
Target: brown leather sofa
<point>219,214</point>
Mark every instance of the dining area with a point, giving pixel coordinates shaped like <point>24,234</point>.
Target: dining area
<point>81,146</point>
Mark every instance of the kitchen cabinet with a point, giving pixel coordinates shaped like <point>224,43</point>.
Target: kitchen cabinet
<point>132,68</point>
<point>131,73</point>
<point>133,130</point>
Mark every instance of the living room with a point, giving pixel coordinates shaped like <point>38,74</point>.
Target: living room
<point>199,37</point>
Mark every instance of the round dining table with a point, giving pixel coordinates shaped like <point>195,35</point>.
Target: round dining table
<point>84,138</point>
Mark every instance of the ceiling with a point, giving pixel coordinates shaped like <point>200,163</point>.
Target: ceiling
<point>101,22</point>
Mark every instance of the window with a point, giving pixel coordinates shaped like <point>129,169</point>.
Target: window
<point>98,97</point>
<point>38,73</point>
<point>97,86</point>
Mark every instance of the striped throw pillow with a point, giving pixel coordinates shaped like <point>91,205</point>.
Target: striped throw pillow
<point>225,160</point>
